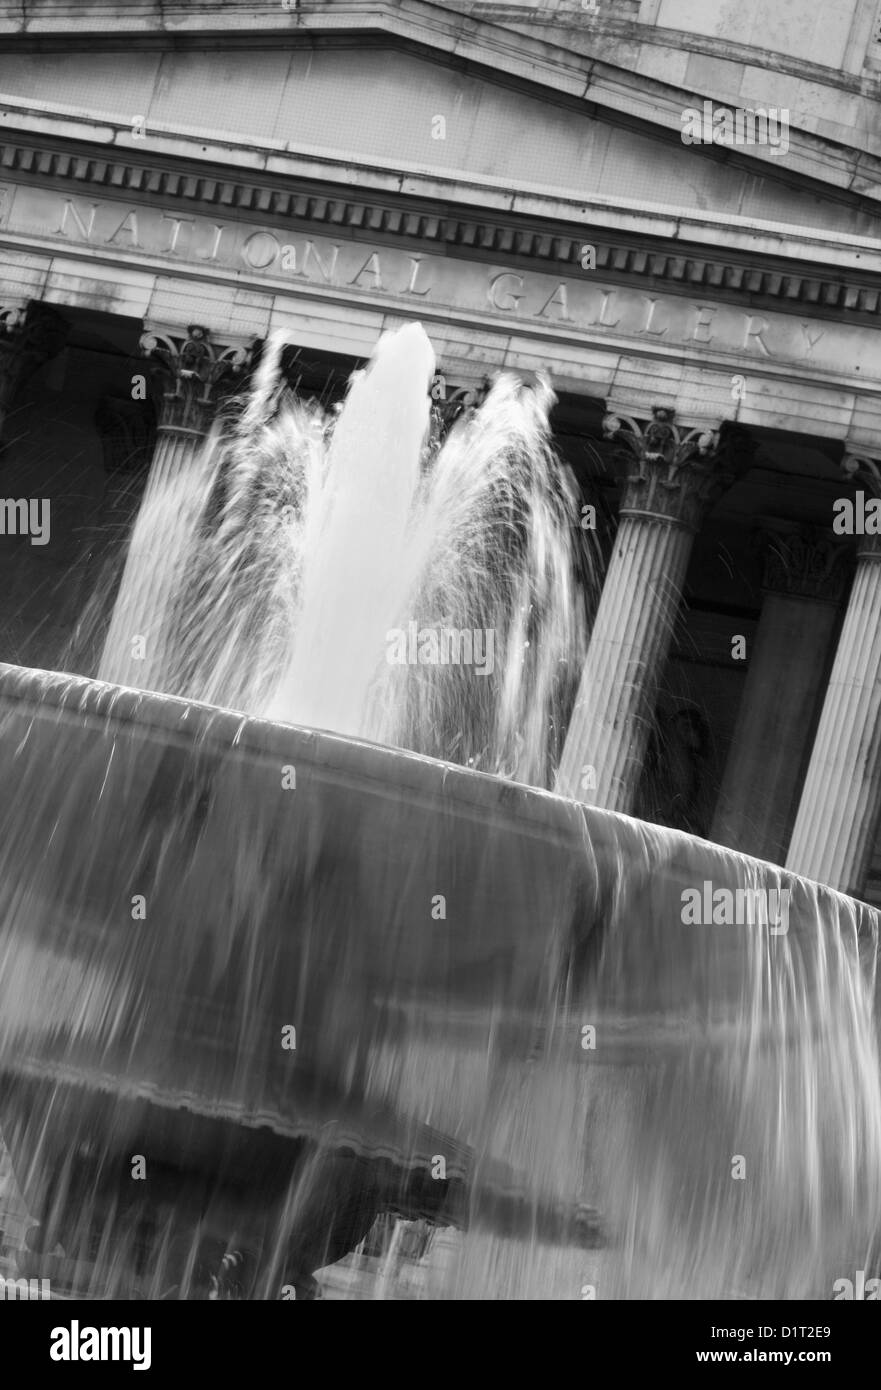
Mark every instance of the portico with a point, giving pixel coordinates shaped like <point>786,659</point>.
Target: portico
<point>141,233</point>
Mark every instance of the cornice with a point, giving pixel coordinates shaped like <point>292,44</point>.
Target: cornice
<point>573,22</point>
<point>547,245</point>
<point>238,21</point>
<point>468,41</point>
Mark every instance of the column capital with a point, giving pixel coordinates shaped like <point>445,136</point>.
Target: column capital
<point>679,472</point>
<point>195,371</point>
<point>803,562</point>
<point>30,334</point>
<point>863,468</point>
<point>450,401</point>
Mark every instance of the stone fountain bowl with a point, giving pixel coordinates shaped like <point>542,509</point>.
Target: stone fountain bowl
<point>228,944</point>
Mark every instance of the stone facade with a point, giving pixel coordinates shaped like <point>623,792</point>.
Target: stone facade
<point>178,180</point>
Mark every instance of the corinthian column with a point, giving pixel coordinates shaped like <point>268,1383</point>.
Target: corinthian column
<point>838,811</point>
<point>193,372</point>
<point>677,476</point>
<point>805,576</point>
<point>29,336</point>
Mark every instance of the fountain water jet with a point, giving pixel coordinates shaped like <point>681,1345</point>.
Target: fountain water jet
<point>360,535</point>
<point>300,541</point>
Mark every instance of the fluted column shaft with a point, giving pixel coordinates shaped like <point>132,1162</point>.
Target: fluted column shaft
<point>611,722</point>
<point>678,476</point>
<point>804,580</point>
<point>838,811</point>
<point>193,372</point>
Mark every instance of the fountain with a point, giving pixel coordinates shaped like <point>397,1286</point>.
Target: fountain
<point>264,980</point>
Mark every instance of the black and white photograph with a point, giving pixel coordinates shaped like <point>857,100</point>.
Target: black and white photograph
<point>440,663</point>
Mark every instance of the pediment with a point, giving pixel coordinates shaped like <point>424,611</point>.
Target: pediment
<point>379,107</point>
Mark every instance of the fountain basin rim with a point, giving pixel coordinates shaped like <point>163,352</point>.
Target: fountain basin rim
<point>195,1103</point>
<point>193,722</point>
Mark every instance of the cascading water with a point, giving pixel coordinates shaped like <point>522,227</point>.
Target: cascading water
<point>271,579</point>
<point>625,1100</point>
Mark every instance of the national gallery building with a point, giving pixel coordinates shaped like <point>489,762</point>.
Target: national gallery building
<point>679,223</point>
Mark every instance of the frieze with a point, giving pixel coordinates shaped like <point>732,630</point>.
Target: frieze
<point>356,210</point>
<point>581,302</point>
